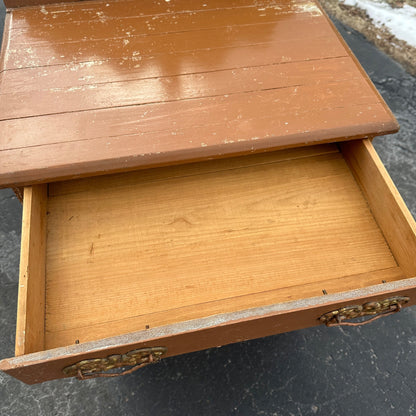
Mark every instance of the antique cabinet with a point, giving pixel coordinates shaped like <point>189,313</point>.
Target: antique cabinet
<point>193,174</point>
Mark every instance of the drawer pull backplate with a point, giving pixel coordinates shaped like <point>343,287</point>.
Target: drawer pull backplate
<point>96,367</point>
<point>376,309</point>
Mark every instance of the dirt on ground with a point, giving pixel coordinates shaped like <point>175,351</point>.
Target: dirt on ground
<point>359,20</point>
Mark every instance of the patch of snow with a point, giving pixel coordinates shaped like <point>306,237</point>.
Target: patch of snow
<point>401,22</point>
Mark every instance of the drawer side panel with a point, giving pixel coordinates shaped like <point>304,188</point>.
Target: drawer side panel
<point>30,326</point>
<point>386,204</point>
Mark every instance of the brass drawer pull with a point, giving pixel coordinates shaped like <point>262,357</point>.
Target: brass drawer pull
<point>375,309</point>
<point>95,367</point>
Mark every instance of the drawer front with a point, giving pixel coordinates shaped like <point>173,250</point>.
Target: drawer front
<point>196,335</point>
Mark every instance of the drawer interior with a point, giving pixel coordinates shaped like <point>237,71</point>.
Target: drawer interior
<point>126,252</point>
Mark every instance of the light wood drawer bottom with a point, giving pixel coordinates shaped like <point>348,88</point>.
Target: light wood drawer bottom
<point>194,256</point>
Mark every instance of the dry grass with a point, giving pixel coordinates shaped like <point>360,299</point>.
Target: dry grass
<point>358,19</point>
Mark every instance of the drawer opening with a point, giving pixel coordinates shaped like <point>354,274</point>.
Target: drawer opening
<point>110,255</point>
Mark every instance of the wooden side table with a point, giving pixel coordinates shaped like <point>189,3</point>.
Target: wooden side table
<point>194,174</point>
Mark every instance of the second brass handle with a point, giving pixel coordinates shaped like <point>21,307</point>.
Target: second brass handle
<point>376,310</point>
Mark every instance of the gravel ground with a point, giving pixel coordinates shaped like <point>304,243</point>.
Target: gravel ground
<point>318,371</point>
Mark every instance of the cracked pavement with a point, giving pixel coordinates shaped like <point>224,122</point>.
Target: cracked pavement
<point>317,371</point>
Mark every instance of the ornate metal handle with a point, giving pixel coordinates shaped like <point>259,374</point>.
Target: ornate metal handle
<point>95,367</point>
<point>375,309</point>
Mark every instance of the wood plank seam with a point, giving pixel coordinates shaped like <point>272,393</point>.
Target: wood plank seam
<point>175,12</point>
<point>323,283</point>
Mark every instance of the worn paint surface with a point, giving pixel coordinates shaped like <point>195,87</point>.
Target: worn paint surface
<point>202,333</point>
<point>92,87</point>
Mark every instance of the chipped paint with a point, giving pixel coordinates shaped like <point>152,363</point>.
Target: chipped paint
<point>207,98</point>
<point>80,65</point>
<point>309,8</point>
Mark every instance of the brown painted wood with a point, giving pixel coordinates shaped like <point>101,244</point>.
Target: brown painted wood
<point>204,333</point>
<point>99,155</point>
<point>149,8</point>
<point>163,54</point>
<point>189,21</point>
<point>194,87</point>
<point>87,10</point>
<point>147,83</point>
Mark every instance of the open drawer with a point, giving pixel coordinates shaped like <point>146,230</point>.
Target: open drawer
<point>121,270</point>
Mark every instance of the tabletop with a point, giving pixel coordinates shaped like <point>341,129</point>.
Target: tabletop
<point>94,87</point>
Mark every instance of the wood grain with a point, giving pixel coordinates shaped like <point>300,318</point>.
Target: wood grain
<point>165,240</point>
<point>152,83</point>
<point>190,169</point>
<point>202,254</point>
<point>387,205</point>
<point>30,325</point>
<point>157,319</point>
